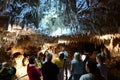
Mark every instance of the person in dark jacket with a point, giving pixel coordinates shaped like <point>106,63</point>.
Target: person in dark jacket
<point>49,69</point>
<point>7,73</point>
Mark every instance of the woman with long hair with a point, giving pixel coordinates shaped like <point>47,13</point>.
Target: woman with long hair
<point>77,66</point>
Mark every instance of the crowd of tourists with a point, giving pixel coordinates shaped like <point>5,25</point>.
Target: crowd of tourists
<point>44,67</point>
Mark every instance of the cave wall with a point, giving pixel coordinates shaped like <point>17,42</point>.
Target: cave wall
<point>4,20</point>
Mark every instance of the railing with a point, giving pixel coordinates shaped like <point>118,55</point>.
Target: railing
<point>21,77</point>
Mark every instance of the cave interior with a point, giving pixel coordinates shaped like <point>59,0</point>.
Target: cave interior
<point>30,26</point>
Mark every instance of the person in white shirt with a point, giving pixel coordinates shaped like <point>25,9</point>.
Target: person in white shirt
<point>65,53</point>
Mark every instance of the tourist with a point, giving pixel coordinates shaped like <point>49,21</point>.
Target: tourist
<point>65,52</point>
<point>44,57</point>
<point>77,66</point>
<point>93,72</point>
<point>39,60</point>
<point>7,73</point>
<point>65,62</point>
<point>59,61</point>
<point>49,69</point>
<point>100,58</point>
<point>32,71</point>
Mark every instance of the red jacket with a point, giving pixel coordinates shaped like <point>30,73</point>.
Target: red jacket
<point>33,73</point>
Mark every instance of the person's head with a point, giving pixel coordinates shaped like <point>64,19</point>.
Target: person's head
<point>77,55</point>
<point>91,67</point>
<point>100,58</point>
<point>61,56</point>
<point>13,70</point>
<point>32,60</point>
<point>45,53</point>
<point>63,48</point>
<point>40,56</point>
<point>49,57</point>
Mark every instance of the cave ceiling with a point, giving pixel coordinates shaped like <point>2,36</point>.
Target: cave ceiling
<point>64,16</point>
